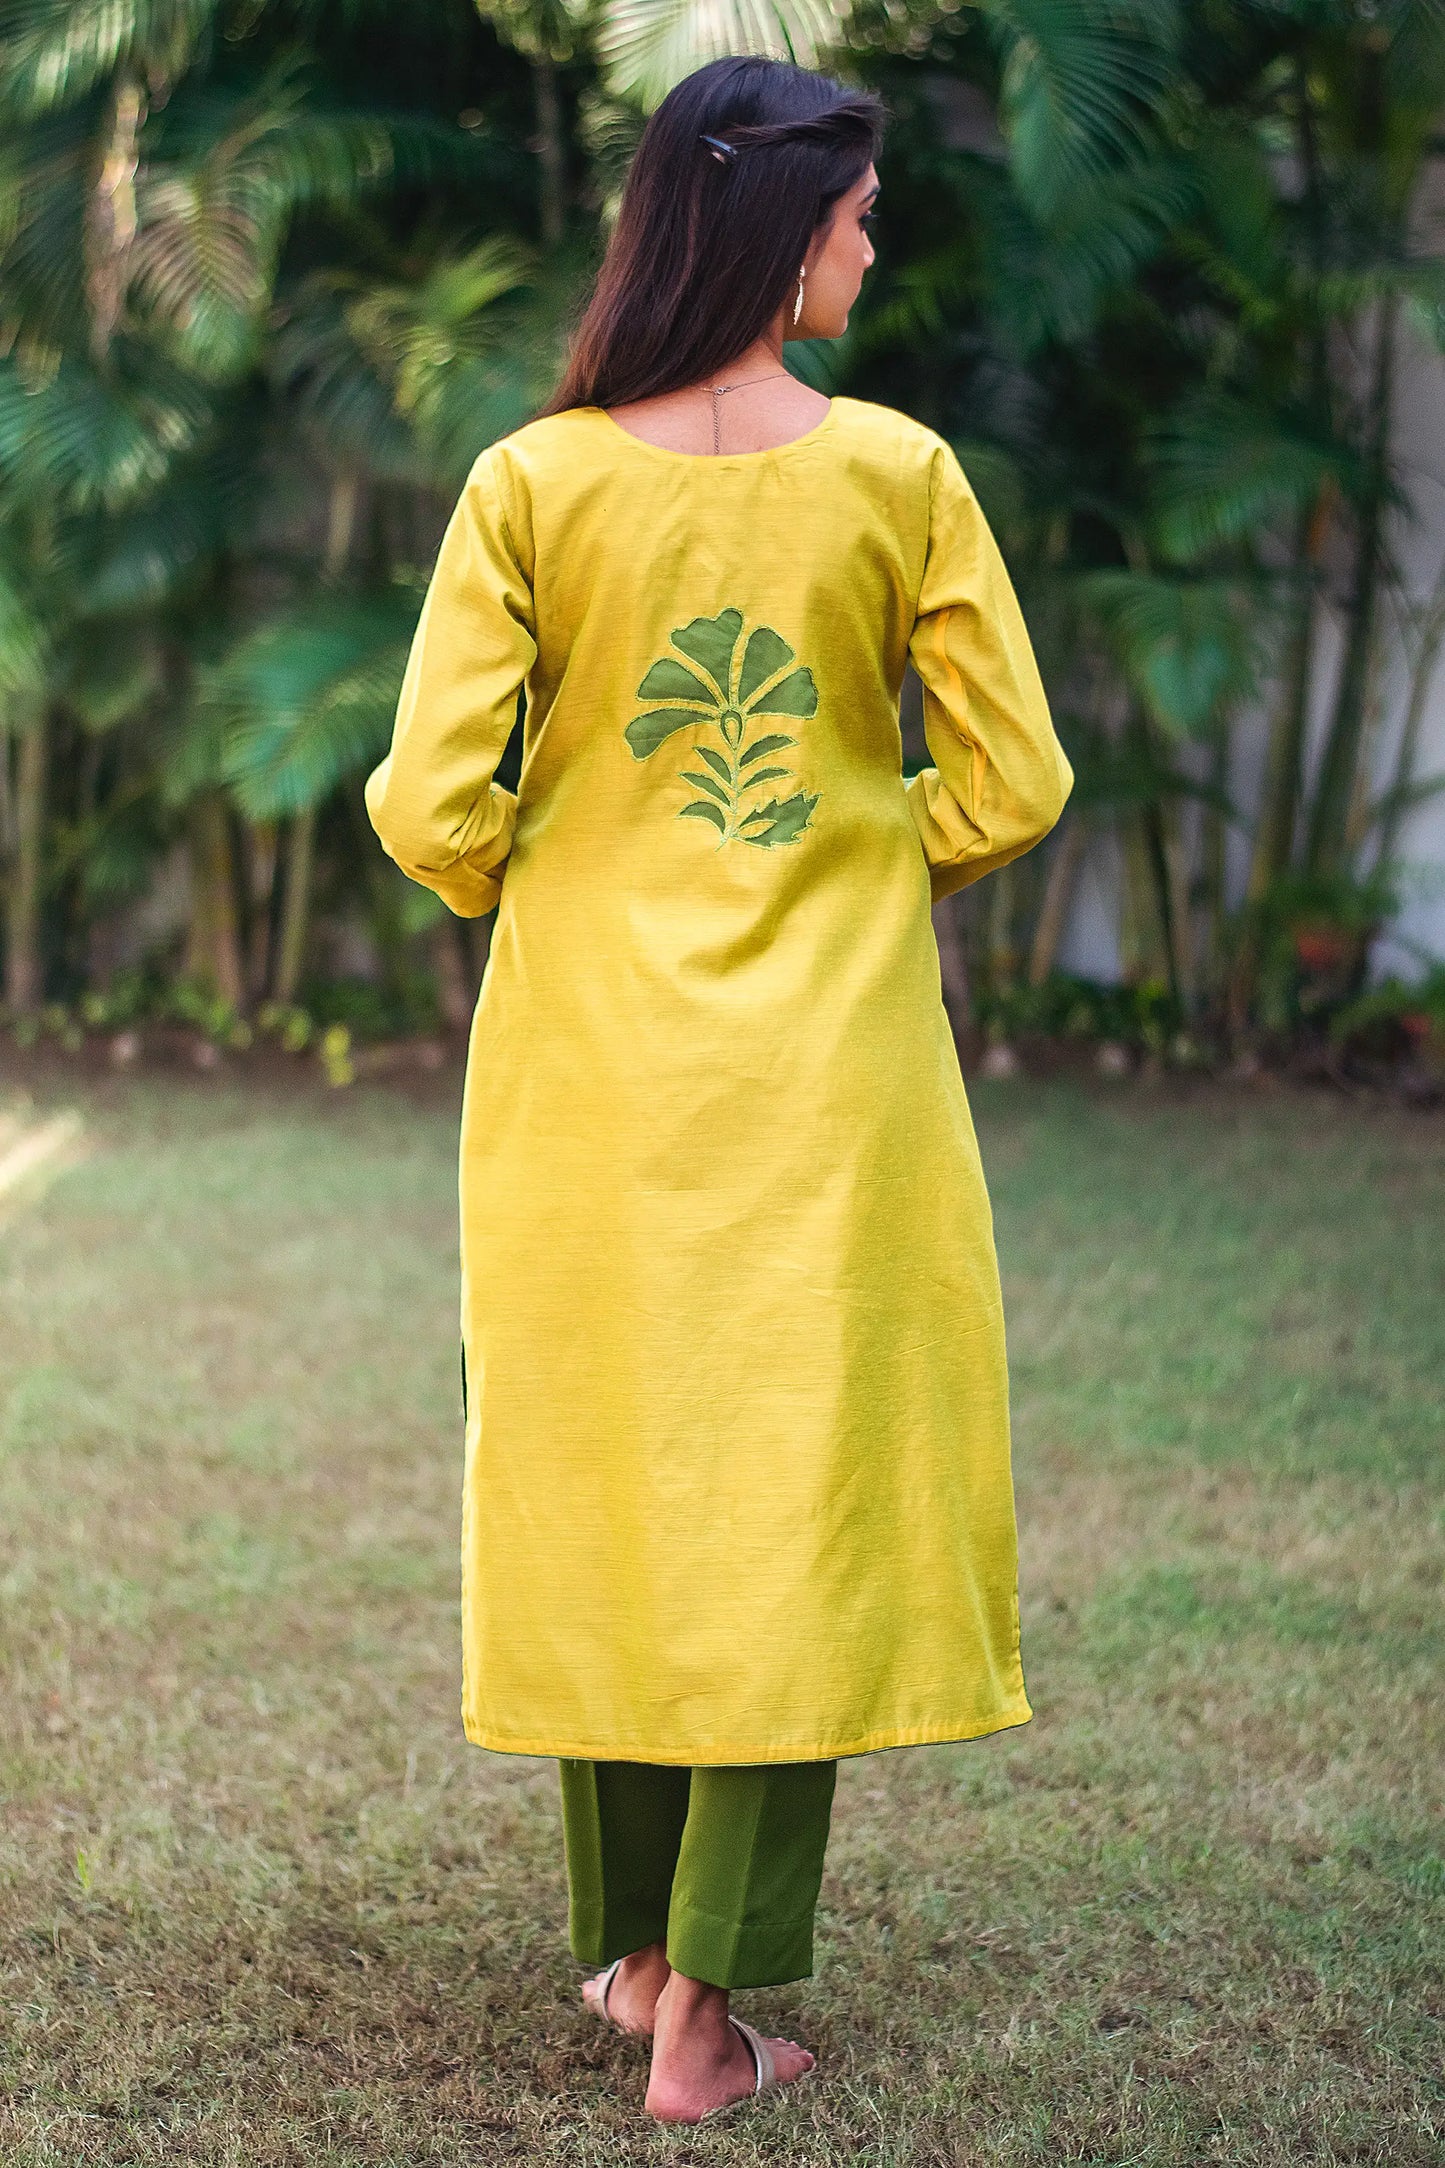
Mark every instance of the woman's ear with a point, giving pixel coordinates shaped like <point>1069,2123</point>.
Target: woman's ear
<point>820,239</point>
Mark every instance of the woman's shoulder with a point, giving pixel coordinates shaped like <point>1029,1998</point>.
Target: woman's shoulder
<point>893,433</point>
<point>551,441</point>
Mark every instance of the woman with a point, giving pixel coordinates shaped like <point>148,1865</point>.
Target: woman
<point>737,1494</point>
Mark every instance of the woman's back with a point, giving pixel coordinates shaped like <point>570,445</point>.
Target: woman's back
<point>720,645</point>
<point>713,650</point>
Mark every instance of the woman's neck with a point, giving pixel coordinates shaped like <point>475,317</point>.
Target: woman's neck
<point>752,404</point>
<point>763,358</point>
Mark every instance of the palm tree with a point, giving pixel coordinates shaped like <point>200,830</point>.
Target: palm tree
<point>131,358</point>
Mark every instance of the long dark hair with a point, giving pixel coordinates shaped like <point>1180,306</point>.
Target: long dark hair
<point>708,240</point>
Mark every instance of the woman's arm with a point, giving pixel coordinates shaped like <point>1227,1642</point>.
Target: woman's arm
<point>1001,777</point>
<point>432,800</point>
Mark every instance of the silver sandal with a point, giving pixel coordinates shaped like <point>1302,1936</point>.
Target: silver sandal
<point>764,2065</point>
<point>603,1982</point>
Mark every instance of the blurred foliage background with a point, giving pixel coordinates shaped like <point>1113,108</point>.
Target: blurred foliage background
<point>273,272</point>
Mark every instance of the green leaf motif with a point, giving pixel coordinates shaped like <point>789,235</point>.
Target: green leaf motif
<point>708,783</point>
<point>797,695</point>
<point>711,641</point>
<point>760,746</point>
<point>646,732</point>
<point>722,706</point>
<point>786,821</point>
<point>767,653</point>
<point>669,680</point>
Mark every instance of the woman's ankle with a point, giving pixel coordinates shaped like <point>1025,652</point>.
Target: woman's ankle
<point>693,2005</point>
<point>647,1967</point>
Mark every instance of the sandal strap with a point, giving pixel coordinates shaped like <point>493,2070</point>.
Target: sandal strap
<point>762,2054</point>
<point>605,1979</point>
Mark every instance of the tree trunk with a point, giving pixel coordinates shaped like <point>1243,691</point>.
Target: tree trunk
<point>1279,808</point>
<point>1140,953</point>
<point>551,152</point>
<point>23,973</point>
<point>261,860</point>
<point>213,947</point>
<point>1215,863</point>
<point>454,996</point>
<point>1422,672</point>
<point>295,903</point>
<point>1173,826</point>
<point>1058,890</point>
<point>1274,835</point>
<point>340,525</point>
<point>1156,850</point>
<point>1325,847</point>
<point>110,227</point>
<point>1003,959</point>
<point>299,846</point>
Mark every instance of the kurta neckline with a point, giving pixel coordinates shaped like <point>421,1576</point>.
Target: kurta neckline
<point>718,459</point>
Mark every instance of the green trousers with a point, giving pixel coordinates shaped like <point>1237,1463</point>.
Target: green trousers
<point>720,1864</point>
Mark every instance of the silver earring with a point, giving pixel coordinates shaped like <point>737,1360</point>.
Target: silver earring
<point>798,304</point>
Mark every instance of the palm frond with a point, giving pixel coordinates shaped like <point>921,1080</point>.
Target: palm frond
<point>541,29</point>
<point>140,556</point>
<point>416,333</point>
<point>1239,239</point>
<point>212,219</point>
<point>1414,62</point>
<point>343,395</point>
<point>96,440</point>
<point>44,179</point>
<point>413,378</point>
<point>646,46</point>
<point>55,51</point>
<point>24,646</point>
<point>609,129</point>
<point>307,699</point>
<point>1223,467</point>
<point>1190,648</point>
<point>105,682</point>
<point>1052,282</point>
<point>116,851</point>
<point>1082,83</point>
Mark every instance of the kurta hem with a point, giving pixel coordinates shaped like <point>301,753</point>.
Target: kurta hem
<point>717,1755</point>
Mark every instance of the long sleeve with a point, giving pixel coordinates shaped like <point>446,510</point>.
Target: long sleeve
<point>432,800</point>
<point>1001,777</point>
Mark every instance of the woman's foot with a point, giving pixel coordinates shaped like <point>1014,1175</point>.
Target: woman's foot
<point>632,1996</point>
<point>699,2060</point>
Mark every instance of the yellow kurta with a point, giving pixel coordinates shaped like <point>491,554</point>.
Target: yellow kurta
<point>737,1482</point>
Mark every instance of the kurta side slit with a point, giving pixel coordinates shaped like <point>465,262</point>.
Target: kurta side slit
<point>737,1484</point>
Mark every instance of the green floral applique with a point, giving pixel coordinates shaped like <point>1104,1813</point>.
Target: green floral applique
<point>740,682</point>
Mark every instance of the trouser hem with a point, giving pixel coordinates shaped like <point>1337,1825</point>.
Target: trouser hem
<point>703,1947</point>
<point>596,1938</point>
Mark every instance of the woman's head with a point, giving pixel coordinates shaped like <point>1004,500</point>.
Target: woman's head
<point>710,237</point>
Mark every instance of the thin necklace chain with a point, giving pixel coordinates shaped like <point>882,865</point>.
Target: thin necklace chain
<point>720,391</point>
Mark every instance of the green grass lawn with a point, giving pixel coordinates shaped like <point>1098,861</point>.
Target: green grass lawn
<point>260,1904</point>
